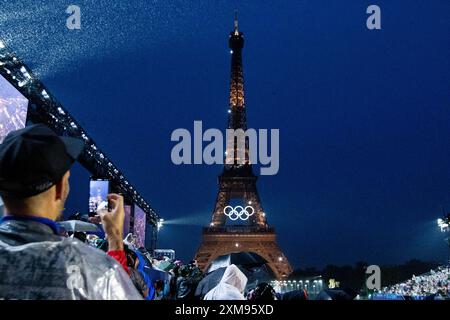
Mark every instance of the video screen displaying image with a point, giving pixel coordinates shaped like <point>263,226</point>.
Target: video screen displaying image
<point>98,192</point>
<point>126,224</point>
<point>139,226</point>
<point>13,109</point>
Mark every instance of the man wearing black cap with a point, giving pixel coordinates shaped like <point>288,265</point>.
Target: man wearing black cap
<point>35,262</point>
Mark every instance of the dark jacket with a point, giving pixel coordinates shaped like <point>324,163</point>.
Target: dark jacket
<point>188,281</point>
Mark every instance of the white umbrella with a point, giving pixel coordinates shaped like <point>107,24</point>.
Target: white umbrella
<point>78,226</point>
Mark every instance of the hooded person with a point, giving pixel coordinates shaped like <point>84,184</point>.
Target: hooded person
<point>230,287</point>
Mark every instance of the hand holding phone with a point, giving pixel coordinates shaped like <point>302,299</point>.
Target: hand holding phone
<point>98,193</point>
<point>113,220</point>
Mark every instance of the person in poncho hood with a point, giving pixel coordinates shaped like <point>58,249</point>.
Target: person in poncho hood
<point>230,287</point>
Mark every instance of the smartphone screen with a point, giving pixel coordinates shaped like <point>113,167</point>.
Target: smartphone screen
<point>98,193</point>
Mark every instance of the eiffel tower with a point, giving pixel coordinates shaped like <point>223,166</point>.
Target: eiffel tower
<point>240,228</point>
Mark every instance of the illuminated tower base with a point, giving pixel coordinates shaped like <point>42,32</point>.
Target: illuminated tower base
<point>220,241</point>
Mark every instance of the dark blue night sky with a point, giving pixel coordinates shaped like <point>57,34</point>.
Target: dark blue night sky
<point>363,115</point>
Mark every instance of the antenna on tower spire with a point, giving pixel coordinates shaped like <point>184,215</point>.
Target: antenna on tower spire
<point>236,22</point>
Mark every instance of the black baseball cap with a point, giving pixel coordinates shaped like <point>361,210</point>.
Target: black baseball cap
<point>34,159</point>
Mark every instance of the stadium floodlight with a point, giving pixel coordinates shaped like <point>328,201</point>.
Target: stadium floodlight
<point>25,73</point>
<point>45,94</point>
<point>444,223</point>
<point>160,224</point>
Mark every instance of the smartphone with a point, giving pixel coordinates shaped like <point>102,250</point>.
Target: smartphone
<point>98,195</point>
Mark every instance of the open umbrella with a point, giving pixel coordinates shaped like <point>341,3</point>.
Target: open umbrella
<point>257,275</point>
<point>245,259</point>
<point>164,265</point>
<point>78,226</point>
<point>209,281</point>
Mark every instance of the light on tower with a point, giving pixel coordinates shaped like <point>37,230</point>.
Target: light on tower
<point>160,224</point>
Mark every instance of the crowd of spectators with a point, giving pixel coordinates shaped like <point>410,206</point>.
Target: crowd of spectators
<point>40,260</point>
<point>435,284</point>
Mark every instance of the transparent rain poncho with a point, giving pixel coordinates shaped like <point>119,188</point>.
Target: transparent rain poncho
<point>230,287</point>
<point>58,269</point>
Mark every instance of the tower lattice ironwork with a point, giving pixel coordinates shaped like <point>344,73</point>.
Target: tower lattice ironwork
<point>238,182</point>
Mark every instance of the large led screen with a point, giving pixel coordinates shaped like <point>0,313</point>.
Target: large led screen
<point>139,226</point>
<point>13,109</point>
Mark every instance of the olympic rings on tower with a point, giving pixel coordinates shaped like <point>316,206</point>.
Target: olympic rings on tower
<point>238,212</point>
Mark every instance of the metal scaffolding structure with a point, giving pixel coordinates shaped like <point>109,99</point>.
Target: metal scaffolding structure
<point>44,108</point>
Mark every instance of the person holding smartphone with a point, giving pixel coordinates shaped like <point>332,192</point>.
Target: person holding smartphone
<point>35,261</point>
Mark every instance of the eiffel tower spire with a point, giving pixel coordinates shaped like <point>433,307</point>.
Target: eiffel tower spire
<point>237,118</point>
<point>247,229</point>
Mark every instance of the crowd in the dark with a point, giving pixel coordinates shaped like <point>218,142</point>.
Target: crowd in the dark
<point>434,284</point>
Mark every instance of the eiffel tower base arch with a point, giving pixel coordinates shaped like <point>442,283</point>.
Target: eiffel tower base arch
<point>217,243</point>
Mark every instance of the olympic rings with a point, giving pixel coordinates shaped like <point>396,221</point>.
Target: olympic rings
<point>238,212</point>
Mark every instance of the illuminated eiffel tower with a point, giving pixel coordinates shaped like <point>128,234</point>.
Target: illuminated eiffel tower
<point>238,182</point>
